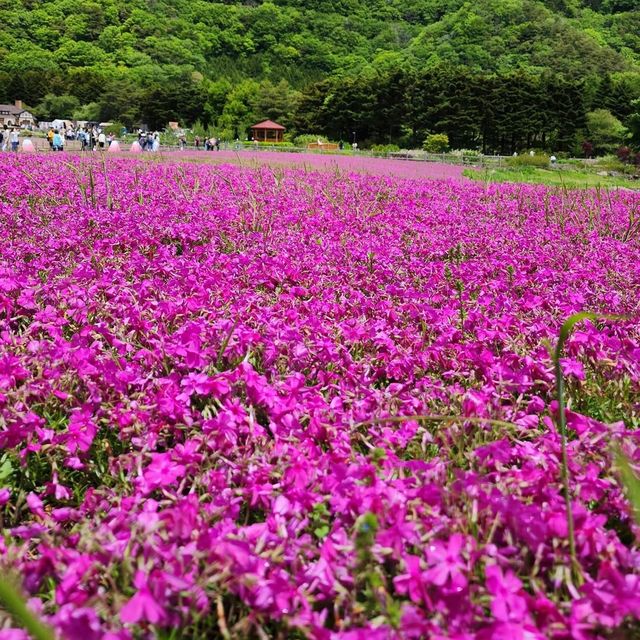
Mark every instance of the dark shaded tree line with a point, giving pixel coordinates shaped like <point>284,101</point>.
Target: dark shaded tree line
<point>494,113</point>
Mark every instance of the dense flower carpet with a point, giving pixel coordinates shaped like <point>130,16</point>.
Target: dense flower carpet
<point>278,403</point>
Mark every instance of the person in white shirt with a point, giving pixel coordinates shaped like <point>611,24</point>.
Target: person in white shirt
<point>102,139</point>
<point>14,140</point>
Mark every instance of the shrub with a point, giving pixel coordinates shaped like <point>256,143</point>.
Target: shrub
<point>381,149</point>
<point>539,160</point>
<point>587,149</point>
<point>115,128</point>
<point>308,138</point>
<point>610,163</point>
<point>466,153</point>
<point>625,155</point>
<point>436,143</point>
<point>261,143</point>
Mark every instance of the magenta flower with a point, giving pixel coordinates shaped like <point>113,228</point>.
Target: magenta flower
<point>447,566</point>
<point>80,433</point>
<point>162,472</point>
<point>142,607</point>
<point>508,602</point>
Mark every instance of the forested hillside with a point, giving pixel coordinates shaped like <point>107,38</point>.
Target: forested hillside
<point>227,63</point>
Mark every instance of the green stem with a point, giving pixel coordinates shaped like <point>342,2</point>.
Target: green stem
<point>565,462</point>
<point>565,332</point>
<point>16,606</point>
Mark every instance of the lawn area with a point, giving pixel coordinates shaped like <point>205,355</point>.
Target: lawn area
<point>569,178</point>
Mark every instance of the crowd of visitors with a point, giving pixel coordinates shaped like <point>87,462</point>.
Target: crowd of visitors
<point>94,138</point>
<point>90,138</point>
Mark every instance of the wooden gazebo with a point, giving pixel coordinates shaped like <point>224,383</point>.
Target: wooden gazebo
<point>267,131</point>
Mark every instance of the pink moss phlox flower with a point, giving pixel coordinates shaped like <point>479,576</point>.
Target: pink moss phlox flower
<point>142,606</point>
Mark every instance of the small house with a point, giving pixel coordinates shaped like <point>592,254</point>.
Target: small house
<point>16,115</point>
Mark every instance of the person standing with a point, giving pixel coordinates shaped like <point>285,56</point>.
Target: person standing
<point>196,142</point>
<point>58,141</point>
<point>102,140</point>
<point>50,135</point>
<point>4,136</point>
<point>14,140</point>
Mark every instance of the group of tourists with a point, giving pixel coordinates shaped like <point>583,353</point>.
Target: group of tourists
<point>209,143</point>
<point>148,141</point>
<point>9,138</point>
<point>94,138</point>
<point>90,138</point>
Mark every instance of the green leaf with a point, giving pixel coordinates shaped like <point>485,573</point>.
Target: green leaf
<point>322,531</point>
<point>6,470</point>
<point>631,483</point>
<point>569,323</point>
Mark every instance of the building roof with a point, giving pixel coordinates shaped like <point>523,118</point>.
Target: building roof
<point>269,124</point>
<point>11,109</point>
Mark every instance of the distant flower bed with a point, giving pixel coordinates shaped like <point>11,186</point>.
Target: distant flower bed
<point>282,403</point>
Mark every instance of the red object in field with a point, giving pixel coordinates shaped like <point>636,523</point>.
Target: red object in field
<point>268,131</point>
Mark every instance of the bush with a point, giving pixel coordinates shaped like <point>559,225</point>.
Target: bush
<point>381,149</point>
<point>610,163</point>
<point>587,149</point>
<point>467,156</point>
<point>308,138</point>
<point>539,160</point>
<point>606,132</point>
<point>115,129</point>
<point>625,155</point>
<point>249,144</point>
<point>436,143</point>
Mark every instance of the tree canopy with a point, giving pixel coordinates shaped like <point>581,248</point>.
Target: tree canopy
<point>227,63</point>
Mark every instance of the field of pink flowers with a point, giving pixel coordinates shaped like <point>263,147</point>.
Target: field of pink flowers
<point>270,403</point>
<point>329,162</point>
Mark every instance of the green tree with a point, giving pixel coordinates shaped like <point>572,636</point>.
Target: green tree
<point>53,107</point>
<point>606,132</point>
<point>179,99</point>
<point>89,111</point>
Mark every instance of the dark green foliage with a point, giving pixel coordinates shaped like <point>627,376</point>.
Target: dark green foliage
<point>490,74</point>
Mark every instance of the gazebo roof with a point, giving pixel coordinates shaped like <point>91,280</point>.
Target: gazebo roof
<point>269,124</point>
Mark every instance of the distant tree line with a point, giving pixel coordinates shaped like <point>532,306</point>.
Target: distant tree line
<point>494,113</point>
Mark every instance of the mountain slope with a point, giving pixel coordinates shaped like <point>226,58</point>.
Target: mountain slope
<point>109,56</point>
